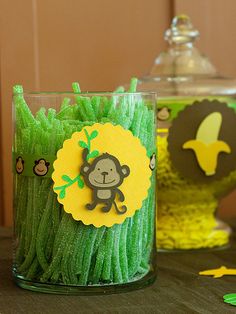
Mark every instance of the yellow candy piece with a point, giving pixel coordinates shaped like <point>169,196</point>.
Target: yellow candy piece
<point>218,272</point>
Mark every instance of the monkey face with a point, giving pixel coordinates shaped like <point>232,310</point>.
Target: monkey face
<point>105,172</point>
<point>19,165</point>
<point>41,167</point>
<point>163,114</point>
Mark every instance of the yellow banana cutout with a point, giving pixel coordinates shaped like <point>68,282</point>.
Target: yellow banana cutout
<point>206,146</point>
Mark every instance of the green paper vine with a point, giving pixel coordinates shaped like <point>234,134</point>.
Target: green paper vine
<point>78,179</point>
<point>70,182</point>
<point>90,137</point>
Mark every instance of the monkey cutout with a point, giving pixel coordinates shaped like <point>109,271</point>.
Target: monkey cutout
<point>104,175</point>
<point>41,167</point>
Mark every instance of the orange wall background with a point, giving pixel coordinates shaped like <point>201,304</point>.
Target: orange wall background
<point>47,44</point>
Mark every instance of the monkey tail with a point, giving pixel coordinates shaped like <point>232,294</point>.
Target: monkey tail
<point>120,212</point>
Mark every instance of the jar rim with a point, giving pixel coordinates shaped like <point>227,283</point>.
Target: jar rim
<point>84,94</point>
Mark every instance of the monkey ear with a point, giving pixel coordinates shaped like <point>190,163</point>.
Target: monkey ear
<point>36,162</point>
<point>47,163</point>
<point>125,170</point>
<point>85,169</point>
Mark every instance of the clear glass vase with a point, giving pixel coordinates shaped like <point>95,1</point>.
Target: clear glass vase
<point>196,149</point>
<point>84,191</point>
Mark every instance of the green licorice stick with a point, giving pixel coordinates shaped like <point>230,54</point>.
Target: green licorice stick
<point>41,117</point>
<point>151,215</point>
<point>111,114</point>
<point>67,253</point>
<point>151,224</point>
<point>81,110</point>
<point>134,254</point>
<point>82,103</point>
<point>88,109</point>
<point>131,110</point>
<point>136,124</point>
<point>77,241</point>
<point>21,212</point>
<point>49,244</point>
<point>95,102</point>
<point>117,273</point>
<point>123,251</point>
<point>107,104</point>
<point>74,277</point>
<point>76,88</point>
<point>145,226</point>
<point>21,106</point>
<point>119,89</point>
<point>60,232</point>
<point>56,276</point>
<point>80,256</point>
<point>29,217</point>
<point>51,115</point>
<point>143,127</point>
<point>100,257</point>
<point>33,269</point>
<point>44,227</point>
<point>20,203</point>
<point>65,108</point>
<point>35,221</point>
<point>45,234</point>
<point>99,238</point>
<point>56,213</point>
<point>133,85</point>
<point>58,253</point>
<point>87,256</point>
<point>108,254</point>
<point>19,255</point>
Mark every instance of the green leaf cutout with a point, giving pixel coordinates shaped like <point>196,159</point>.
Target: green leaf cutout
<point>66,178</point>
<point>62,193</point>
<point>230,298</point>
<point>93,154</point>
<point>93,134</point>
<point>83,144</point>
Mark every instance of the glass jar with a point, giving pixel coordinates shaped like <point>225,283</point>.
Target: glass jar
<point>196,150</point>
<point>84,191</point>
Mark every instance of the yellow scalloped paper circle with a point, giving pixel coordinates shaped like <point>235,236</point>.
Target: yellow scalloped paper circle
<point>127,149</point>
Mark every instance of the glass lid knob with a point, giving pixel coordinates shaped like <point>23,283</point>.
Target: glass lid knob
<point>181,31</point>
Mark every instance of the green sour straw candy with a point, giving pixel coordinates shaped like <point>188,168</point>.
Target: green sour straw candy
<point>52,246</point>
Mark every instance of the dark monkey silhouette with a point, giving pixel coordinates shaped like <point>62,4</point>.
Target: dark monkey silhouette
<point>104,175</point>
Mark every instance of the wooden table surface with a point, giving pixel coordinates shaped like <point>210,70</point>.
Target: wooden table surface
<point>178,288</point>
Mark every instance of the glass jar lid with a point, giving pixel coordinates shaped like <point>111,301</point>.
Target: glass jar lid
<point>182,69</point>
